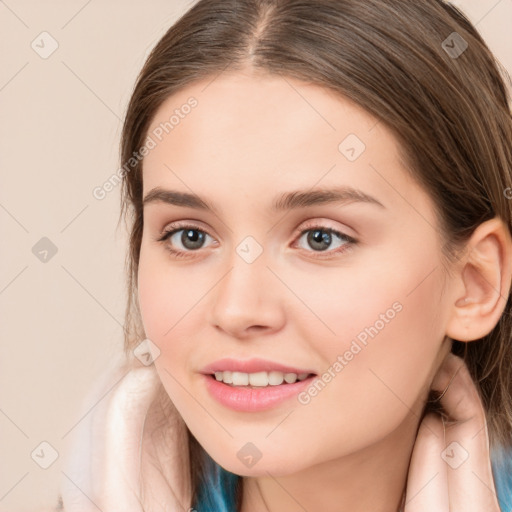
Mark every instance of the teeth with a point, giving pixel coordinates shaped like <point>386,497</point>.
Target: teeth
<point>258,379</point>
<point>275,378</point>
<point>240,379</point>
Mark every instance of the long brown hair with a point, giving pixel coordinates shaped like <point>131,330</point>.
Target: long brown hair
<point>420,67</point>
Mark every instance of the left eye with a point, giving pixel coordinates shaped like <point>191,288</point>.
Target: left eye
<point>319,237</point>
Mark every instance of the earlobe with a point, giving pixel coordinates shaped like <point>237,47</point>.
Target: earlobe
<point>484,282</point>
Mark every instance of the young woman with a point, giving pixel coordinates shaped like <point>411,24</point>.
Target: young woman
<point>319,268</point>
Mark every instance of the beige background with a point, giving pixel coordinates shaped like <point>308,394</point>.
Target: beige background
<point>61,320</point>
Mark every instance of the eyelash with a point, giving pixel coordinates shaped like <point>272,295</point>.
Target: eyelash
<point>176,227</point>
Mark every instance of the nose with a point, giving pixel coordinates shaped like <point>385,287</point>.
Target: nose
<point>246,301</point>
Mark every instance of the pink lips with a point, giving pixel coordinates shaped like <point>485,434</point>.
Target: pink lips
<point>251,366</point>
<point>252,399</point>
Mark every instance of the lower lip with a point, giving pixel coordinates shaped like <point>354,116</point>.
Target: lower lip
<point>253,399</point>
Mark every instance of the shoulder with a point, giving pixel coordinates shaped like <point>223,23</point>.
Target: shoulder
<point>111,450</point>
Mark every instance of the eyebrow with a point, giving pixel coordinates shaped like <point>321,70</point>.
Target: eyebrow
<point>287,201</point>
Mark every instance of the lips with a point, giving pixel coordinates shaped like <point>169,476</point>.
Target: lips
<point>254,365</point>
<point>247,399</point>
<point>242,398</point>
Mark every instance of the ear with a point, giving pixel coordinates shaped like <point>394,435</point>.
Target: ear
<point>482,282</point>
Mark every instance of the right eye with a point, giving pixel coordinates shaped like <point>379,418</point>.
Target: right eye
<point>189,236</point>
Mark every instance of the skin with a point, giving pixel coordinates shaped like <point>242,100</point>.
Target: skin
<point>250,139</point>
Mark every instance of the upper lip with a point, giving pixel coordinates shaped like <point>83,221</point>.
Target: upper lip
<point>251,366</point>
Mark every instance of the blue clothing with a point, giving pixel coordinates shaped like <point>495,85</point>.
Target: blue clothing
<point>501,463</point>
<point>218,493</point>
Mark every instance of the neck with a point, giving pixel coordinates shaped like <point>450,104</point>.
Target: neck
<point>373,478</point>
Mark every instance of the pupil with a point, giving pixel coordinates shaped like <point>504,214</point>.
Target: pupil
<point>192,235</point>
<point>318,237</point>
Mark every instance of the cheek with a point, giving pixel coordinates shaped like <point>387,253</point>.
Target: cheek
<point>166,300</point>
<point>380,301</point>
<point>167,295</point>
<point>388,335</point>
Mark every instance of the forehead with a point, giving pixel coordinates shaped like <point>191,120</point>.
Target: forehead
<point>259,134</point>
<point>253,109</point>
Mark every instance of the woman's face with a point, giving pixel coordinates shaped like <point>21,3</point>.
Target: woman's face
<point>364,310</point>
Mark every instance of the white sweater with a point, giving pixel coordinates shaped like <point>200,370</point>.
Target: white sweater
<point>129,427</point>
<point>124,433</point>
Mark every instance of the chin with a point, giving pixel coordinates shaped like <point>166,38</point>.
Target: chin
<point>263,466</point>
